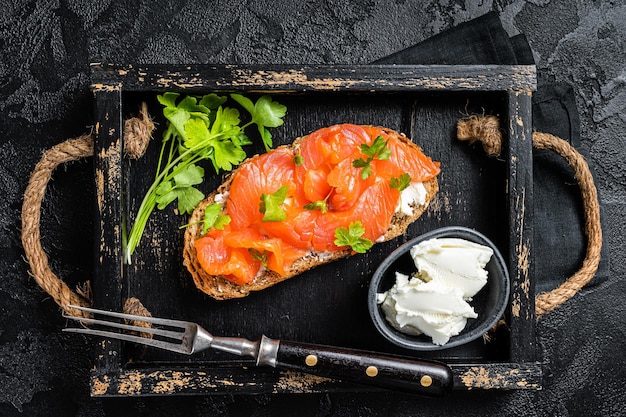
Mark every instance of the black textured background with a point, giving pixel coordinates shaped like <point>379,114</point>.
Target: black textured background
<point>45,50</point>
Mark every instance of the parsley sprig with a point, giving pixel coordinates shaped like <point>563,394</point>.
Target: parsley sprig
<point>214,218</point>
<point>200,128</point>
<point>401,182</point>
<point>320,205</point>
<point>351,236</point>
<point>257,255</point>
<point>377,150</point>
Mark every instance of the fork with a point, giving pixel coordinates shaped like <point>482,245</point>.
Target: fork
<point>399,373</point>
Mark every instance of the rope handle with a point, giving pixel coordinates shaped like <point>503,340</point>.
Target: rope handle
<point>486,129</point>
<point>137,133</point>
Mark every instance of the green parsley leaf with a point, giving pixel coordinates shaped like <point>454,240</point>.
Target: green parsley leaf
<point>179,114</point>
<point>265,113</point>
<point>366,165</point>
<point>298,160</point>
<point>225,119</point>
<point>240,139</point>
<point>257,255</point>
<point>351,236</point>
<point>168,99</point>
<point>197,131</point>
<point>384,154</point>
<point>268,113</point>
<point>177,118</point>
<point>221,221</point>
<point>165,194</point>
<point>214,218</point>
<point>244,102</point>
<point>270,205</point>
<point>377,150</point>
<point>212,101</point>
<point>190,175</point>
<point>317,205</point>
<point>181,188</point>
<point>188,199</point>
<point>190,104</point>
<point>401,182</point>
<point>227,154</point>
<point>266,136</point>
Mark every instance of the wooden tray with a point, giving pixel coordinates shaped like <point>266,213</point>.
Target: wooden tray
<point>326,305</point>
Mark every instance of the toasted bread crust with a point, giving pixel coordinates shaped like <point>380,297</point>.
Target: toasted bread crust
<point>222,289</point>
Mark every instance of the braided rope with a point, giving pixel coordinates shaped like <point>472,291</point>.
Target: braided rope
<point>67,151</point>
<point>137,133</point>
<point>486,129</point>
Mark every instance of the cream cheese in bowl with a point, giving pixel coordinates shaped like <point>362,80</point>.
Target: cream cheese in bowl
<point>435,300</point>
<point>439,290</point>
<point>454,262</point>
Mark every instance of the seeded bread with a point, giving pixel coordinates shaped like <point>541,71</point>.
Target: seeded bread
<point>221,289</point>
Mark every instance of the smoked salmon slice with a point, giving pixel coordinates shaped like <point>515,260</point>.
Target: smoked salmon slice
<point>374,209</point>
<point>216,258</point>
<point>261,175</point>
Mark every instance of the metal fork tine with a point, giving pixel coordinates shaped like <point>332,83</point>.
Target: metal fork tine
<point>155,320</point>
<point>130,338</point>
<point>160,332</point>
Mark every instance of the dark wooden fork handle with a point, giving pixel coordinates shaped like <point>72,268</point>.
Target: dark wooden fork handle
<point>386,371</point>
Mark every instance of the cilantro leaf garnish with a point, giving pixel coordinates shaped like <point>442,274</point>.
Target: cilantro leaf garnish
<point>271,205</point>
<point>351,236</point>
<point>377,150</point>
<point>200,128</point>
<point>401,182</point>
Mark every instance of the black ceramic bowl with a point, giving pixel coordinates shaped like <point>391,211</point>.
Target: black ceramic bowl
<point>489,303</point>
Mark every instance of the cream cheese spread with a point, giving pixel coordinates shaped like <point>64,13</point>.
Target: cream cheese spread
<point>434,301</point>
<point>221,197</point>
<point>413,195</point>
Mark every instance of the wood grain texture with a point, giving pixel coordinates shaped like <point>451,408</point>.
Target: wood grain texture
<point>225,380</point>
<point>281,78</point>
<point>519,153</point>
<point>108,275</point>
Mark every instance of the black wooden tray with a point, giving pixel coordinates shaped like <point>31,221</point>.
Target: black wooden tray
<point>326,305</point>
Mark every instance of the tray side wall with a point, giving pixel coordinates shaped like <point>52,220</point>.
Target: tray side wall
<point>519,155</point>
<point>108,271</point>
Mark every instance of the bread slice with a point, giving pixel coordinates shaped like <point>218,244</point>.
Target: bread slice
<point>222,289</point>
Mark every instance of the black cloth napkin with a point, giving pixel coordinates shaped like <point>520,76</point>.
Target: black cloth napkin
<point>558,213</point>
